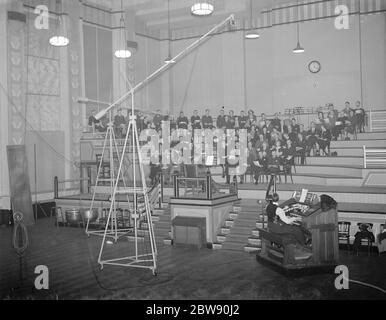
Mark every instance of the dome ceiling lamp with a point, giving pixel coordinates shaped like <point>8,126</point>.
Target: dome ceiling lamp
<point>251,34</point>
<point>202,9</point>
<point>299,48</point>
<point>59,39</point>
<point>169,58</point>
<point>122,52</point>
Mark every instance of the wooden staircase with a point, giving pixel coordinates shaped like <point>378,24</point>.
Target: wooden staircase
<point>239,232</point>
<point>162,226</point>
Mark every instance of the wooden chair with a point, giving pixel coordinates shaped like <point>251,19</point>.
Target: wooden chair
<point>249,173</point>
<point>105,169</point>
<point>193,187</point>
<point>344,232</point>
<point>380,245</point>
<point>366,241</point>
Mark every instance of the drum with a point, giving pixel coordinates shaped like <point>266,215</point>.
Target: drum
<point>73,216</point>
<point>89,215</point>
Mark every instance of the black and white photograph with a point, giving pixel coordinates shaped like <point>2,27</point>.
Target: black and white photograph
<point>189,157</point>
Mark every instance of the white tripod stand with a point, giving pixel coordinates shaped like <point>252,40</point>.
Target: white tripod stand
<point>109,140</point>
<point>139,260</point>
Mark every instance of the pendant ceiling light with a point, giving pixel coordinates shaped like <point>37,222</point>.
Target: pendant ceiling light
<point>251,34</point>
<point>299,48</point>
<point>122,52</point>
<point>202,9</point>
<point>169,58</point>
<point>59,39</point>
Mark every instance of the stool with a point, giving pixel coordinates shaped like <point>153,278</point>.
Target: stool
<point>58,213</point>
<point>344,232</point>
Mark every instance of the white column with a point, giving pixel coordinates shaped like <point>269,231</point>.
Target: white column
<point>4,179</point>
<point>65,108</point>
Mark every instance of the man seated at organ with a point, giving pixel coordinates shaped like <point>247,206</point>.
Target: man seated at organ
<point>280,223</point>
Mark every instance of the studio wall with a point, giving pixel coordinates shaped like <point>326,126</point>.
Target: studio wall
<point>265,75</point>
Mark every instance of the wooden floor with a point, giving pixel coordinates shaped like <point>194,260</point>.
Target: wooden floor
<point>183,273</point>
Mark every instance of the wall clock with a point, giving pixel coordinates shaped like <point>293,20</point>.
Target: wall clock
<point>314,66</point>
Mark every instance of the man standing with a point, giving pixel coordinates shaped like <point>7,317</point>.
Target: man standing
<point>119,124</point>
<point>93,123</point>
<point>360,117</point>
<point>243,119</point>
<point>182,121</point>
<point>157,120</point>
<point>276,122</point>
<point>220,123</point>
<point>195,120</point>
<point>207,121</point>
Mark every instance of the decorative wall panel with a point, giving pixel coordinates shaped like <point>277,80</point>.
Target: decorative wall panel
<point>43,76</point>
<point>16,80</point>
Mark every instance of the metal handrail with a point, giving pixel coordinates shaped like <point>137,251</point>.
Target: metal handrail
<point>366,159</point>
<point>373,120</point>
<point>57,181</point>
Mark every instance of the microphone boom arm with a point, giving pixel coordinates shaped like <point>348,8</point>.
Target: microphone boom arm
<point>100,114</point>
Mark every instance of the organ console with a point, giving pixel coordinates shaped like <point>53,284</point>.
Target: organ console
<point>319,216</point>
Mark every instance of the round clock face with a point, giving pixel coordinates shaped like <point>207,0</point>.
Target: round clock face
<point>314,66</point>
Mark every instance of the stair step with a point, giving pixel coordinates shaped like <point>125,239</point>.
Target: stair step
<point>225,230</point>
<point>234,246</point>
<point>259,224</point>
<point>244,223</point>
<point>256,233</point>
<point>168,241</point>
<point>233,215</point>
<point>242,230</point>
<point>221,238</point>
<point>132,238</point>
<point>216,246</point>
<point>229,223</point>
<point>159,211</point>
<point>236,208</point>
<point>242,238</point>
<point>254,241</point>
<point>251,248</point>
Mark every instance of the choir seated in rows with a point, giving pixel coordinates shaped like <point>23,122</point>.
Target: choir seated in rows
<point>273,144</point>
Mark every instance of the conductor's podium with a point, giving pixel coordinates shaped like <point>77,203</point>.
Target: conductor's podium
<point>280,249</point>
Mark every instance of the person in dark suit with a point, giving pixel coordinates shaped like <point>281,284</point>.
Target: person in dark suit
<point>182,121</point>
<point>276,122</point>
<point>360,115</point>
<point>207,120</point>
<point>220,123</point>
<point>324,140</point>
<point>280,223</point>
<point>195,120</point>
<point>242,120</point>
